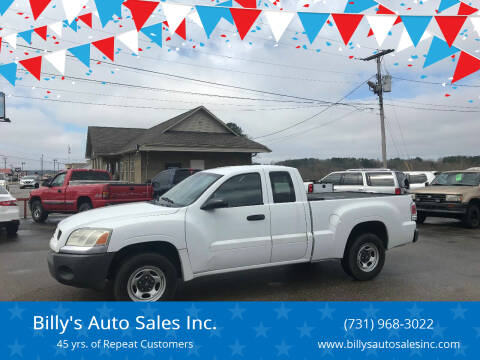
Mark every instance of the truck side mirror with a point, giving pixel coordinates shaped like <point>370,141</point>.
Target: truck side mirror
<point>46,183</point>
<point>212,204</point>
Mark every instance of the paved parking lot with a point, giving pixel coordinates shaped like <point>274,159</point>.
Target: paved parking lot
<point>443,265</point>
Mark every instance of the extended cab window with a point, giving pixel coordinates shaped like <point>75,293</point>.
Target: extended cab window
<point>241,190</point>
<point>59,179</point>
<point>352,179</point>
<point>380,179</point>
<point>90,175</point>
<point>282,187</point>
<point>332,179</point>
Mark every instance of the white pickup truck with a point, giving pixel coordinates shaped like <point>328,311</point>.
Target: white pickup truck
<point>223,220</point>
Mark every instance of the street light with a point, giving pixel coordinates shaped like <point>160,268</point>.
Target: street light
<point>2,109</point>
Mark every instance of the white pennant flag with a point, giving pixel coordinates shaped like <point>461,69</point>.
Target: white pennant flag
<point>278,21</point>
<point>57,59</point>
<point>130,40</point>
<point>406,42</point>
<point>11,40</point>
<point>381,25</point>
<point>57,28</point>
<point>196,18</point>
<point>72,8</point>
<point>175,13</point>
<point>476,23</point>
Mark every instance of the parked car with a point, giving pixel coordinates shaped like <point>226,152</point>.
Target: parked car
<point>32,181</point>
<point>224,220</point>
<point>165,180</point>
<point>9,212</point>
<point>452,194</point>
<point>368,180</point>
<point>3,181</point>
<point>78,190</point>
<point>418,179</point>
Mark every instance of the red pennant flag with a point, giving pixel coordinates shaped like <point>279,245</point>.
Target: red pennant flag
<point>382,10</point>
<point>42,32</point>
<point>141,11</point>
<point>244,19</point>
<point>450,26</point>
<point>465,9</point>
<point>467,64</point>
<point>398,21</point>
<point>370,33</point>
<point>250,4</point>
<point>33,66</point>
<point>38,6</point>
<point>86,19</point>
<point>106,46</point>
<point>182,30</point>
<point>347,24</point>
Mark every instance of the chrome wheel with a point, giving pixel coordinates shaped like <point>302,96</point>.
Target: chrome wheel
<point>147,283</point>
<point>367,257</point>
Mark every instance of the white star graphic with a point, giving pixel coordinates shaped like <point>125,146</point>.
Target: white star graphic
<point>237,349</point>
<point>305,330</point>
<point>327,312</point>
<point>415,311</point>
<point>261,330</point>
<point>61,311</point>
<point>104,311</point>
<point>370,312</point>
<point>16,349</point>
<point>237,312</point>
<point>193,311</point>
<point>458,312</point>
<point>16,312</point>
<point>283,349</point>
<point>282,311</point>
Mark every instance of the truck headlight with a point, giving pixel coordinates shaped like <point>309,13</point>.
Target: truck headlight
<point>454,198</point>
<point>87,238</point>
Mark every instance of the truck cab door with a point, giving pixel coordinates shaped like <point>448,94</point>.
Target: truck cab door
<point>288,219</point>
<point>53,197</point>
<point>235,235</point>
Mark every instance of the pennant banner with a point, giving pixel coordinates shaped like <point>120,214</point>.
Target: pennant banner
<point>312,23</point>
<point>439,50</point>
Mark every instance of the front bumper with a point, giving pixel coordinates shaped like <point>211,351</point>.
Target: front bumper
<point>85,270</point>
<point>442,208</point>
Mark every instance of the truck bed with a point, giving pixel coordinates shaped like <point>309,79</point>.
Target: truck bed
<point>344,195</point>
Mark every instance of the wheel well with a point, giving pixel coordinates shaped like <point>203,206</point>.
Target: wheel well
<point>375,227</point>
<point>83,199</point>
<point>474,202</point>
<point>160,247</point>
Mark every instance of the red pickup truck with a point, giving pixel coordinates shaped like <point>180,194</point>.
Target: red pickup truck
<point>79,190</point>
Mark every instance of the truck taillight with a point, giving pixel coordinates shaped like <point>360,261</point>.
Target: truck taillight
<point>413,212</point>
<point>310,188</point>
<point>398,191</point>
<point>106,192</point>
<point>8,203</point>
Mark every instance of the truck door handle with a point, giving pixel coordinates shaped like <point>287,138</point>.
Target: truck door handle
<point>256,217</point>
<point>59,191</point>
<point>131,188</point>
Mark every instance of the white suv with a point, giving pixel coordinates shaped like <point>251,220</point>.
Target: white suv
<point>368,180</point>
<point>418,179</point>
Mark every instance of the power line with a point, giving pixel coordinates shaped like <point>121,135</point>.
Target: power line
<point>433,82</point>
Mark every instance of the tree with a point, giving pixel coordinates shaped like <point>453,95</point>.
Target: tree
<point>236,129</point>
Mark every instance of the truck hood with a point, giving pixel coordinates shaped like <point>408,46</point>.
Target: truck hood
<point>100,217</point>
<point>448,190</point>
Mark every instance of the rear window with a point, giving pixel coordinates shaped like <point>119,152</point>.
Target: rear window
<point>352,179</point>
<point>417,178</point>
<point>90,175</point>
<point>282,187</point>
<point>332,179</point>
<point>380,179</point>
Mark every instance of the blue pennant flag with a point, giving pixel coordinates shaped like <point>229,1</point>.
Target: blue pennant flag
<point>154,32</point>
<point>82,53</point>
<point>73,25</point>
<point>312,23</point>
<point>439,50</point>
<point>357,6</point>
<point>9,72</point>
<point>228,16</point>
<point>107,8</point>
<point>445,4</point>
<point>210,16</point>
<point>416,26</point>
<point>4,5</point>
<point>26,35</point>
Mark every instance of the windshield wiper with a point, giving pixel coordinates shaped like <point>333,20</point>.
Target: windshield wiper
<point>166,199</point>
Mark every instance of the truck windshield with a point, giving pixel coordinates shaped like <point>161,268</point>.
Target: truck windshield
<point>457,179</point>
<point>189,190</point>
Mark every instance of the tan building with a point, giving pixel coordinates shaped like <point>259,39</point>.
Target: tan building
<point>195,139</point>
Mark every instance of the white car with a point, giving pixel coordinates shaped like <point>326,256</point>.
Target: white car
<point>224,220</point>
<point>384,181</point>
<point>418,179</point>
<point>3,181</point>
<point>32,181</point>
<point>9,212</point>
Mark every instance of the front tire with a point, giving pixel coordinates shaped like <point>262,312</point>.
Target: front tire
<point>472,217</point>
<point>39,215</point>
<point>85,207</point>
<point>365,257</point>
<point>145,277</point>
<point>12,228</point>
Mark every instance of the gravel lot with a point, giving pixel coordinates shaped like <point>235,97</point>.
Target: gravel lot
<point>443,265</point>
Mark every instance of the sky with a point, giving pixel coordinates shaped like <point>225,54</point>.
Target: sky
<point>52,115</point>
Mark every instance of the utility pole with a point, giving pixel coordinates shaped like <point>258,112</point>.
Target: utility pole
<point>54,162</point>
<point>41,165</point>
<point>23,163</point>
<point>378,89</point>
<point>5,162</point>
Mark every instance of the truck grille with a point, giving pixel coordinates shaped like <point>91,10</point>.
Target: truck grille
<point>430,198</point>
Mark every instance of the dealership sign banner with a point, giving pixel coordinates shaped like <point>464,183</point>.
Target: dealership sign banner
<point>240,330</point>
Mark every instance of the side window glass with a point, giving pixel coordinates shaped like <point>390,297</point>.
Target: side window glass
<point>352,179</point>
<point>241,190</point>
<point>282,187</point>
<point>58,181</point>
<point>332,179</point>
<point>380,179</point>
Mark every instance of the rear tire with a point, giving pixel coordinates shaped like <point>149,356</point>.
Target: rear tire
<point>39,215</point>
<point>472,217</point>
<point>12,228</point>
<point>145,277</point>
<point>365,257</point>
<point>85,206</point>
<point>421,218</point>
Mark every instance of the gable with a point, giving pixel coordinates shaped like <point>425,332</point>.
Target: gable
<point>200,121</point>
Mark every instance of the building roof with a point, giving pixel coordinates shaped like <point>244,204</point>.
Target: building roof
<point>208,133</point>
